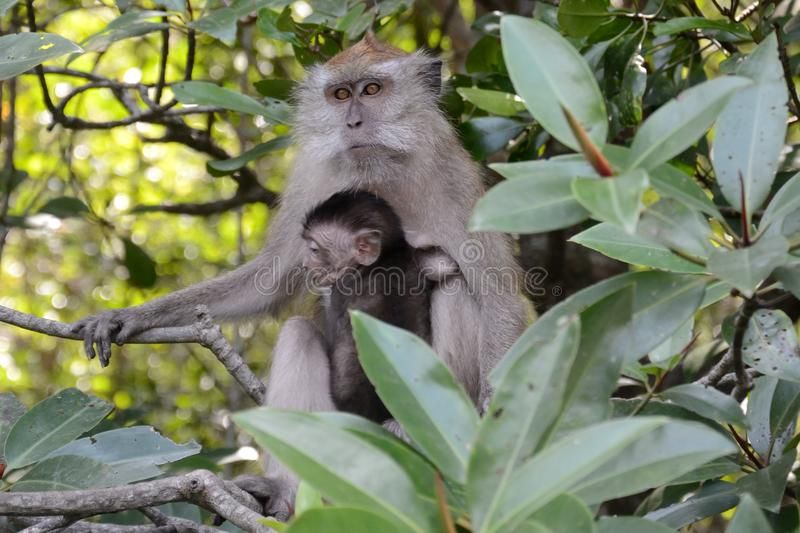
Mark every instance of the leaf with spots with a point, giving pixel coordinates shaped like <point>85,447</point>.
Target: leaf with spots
<point>770,345</point>
<point>751,129</point>
<point>23,51</point>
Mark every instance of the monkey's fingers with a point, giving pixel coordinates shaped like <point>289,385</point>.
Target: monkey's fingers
<point>88,346</point>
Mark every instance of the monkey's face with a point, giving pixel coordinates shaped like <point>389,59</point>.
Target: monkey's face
<point>333,252</point>
<point>368,109</point>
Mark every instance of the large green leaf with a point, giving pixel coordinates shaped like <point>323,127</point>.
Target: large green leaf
<point>340,465</point>
<point>712,27</point>
<point>229,166</point>
<point>10,411</point>
<point>221,23</point>
<point>132,23</point>
<point>751,129</point>
<point>5,5</point>
<point>549,74</point>
<point>748,518</point>
<point>579,18</point>
<point>676,342</point>
<point>630,524</point>
<point>419,391</point>
<point>65,207</point>
<point>677,227</point>
<point>568,166</point>
<point>785,202</point>
<point>344,519</point>
<point>653,460</point>
<point>680,122</point>
<point>561,465</point>
<point>670,182</point>
<point>613,241</point>
<point>713,498</point>
<point>523,406</point>
<point>484,136</point>
<point>23,51</point>
<point>52,423</point>
<point>770,345</point>
<point>66,472</point>
<point>495,102</point>
<point>746,268</point>
<point>768,484</point>
<point>663,301</point>
<point>141,268</point>
<point>707,402</point>
<point>528,205</point>
<point>565,513</point>
<point>133,453</point>
<point>772,409</point>
<point>207,93</point>
<point>617,200</point>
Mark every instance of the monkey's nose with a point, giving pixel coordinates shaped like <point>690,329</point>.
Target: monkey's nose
<point>353,123</point>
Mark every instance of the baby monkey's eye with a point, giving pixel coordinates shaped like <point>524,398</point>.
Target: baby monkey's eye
<point>341,93</point>
<point>371,89</point>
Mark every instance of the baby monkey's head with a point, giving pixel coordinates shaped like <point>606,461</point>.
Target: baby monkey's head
<point>349,230</point>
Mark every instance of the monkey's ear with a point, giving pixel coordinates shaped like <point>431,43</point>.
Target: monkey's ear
<point>368,246</point>
<point>432,76</point>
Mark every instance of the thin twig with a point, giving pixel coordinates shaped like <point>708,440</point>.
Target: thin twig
<point>162,66</point>
<point>746,311</point>
<point>787,70</point>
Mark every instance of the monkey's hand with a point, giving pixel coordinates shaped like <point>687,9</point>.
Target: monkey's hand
<point>100,330</point>
<point>274,494</point>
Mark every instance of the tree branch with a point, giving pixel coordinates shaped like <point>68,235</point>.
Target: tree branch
<point>254,195</point>
<point>204,332</point>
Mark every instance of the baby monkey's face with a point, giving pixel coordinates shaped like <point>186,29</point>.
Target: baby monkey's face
<point>333,250</point>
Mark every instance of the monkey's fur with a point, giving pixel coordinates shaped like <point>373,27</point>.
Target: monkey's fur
<point>357,251</point>
<point>399,145</point>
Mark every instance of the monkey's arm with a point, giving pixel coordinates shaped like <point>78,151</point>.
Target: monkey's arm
<point>262,285</point>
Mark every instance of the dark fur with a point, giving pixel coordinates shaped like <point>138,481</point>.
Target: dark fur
<point>392,289</point>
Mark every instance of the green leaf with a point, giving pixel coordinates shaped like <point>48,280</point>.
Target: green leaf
<point>207,93</point>
<point>670,182</point>
<point>707,402</point>
<point>133,453</point>
<point>343,519</point>
<point>221,23</point>
<point>10,411</point>
<point>52,423</point>
<point>66,472</point>
<point>655,459</point>
<point>141,268</point>
<point>5,5</point>
<point>772,409</point>
<point>307,498</point>
<point>64,207</point>
<point>748,518</point>
<point>713,498</point>
<point>612,241</point>
<point>751,129</point>
<point>677,227</point>
<point>663,302</point>
<point>484,136</point>
<point>23,51</point>
<point>564,166</point>
<point>356,21</point>
<point>785,202</point>
<point>523,406</point>
<point>561,465</point>
<point>275,88</point>
<point>617,200</point>
<point>528,205</point>
<point>419,391</point>
<point>746,268</point>
<point>495,102</point>
<point>278,26</point>
<point>548,82</point>
<point>682,24</point>
<point>680,122</point>
<point>579,18</point>
<point>770,345</point>
<point>630,524</point>
<point>344,469</point>
<point>224,167</point>
<point>132,23</point>
<point>789,276</point>
<point>565,513</point>
<point>711,470</point>
<point>767,485</point>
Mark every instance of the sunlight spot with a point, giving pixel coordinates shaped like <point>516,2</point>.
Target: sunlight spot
<point>132,75</point>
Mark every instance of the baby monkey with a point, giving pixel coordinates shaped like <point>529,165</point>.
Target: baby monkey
<point>357,252</point>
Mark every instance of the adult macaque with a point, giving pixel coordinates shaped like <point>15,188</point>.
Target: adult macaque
<point>357,255</point>
<point>368,119</point>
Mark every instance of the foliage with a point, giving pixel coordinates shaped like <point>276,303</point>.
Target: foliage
<point>677,117</point>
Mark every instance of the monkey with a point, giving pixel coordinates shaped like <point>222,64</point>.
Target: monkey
<point>368,118</point>
<point>356,250</point>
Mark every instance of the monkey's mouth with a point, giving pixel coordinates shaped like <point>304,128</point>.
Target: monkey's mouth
<point>364,149</point>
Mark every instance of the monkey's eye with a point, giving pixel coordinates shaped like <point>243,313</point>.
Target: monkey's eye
<point>371,89</point>
<point>341,93</point>
<point>314,248</point>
